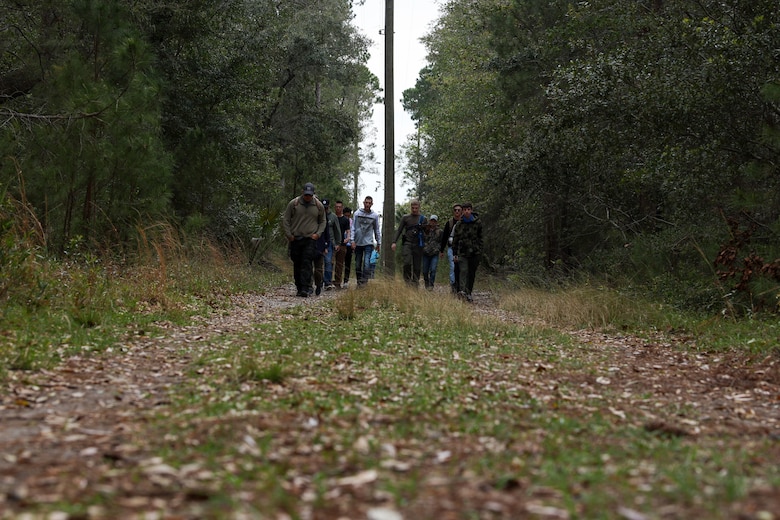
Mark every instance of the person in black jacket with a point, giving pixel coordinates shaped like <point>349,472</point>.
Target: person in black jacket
<point>411,228</point>
<point>446,245</point>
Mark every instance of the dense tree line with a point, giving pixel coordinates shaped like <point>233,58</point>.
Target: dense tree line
<point>208,114</point>
<point>636,139</point>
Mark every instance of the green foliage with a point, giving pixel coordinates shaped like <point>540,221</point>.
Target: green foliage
<point>613,124</point>
<point>23,268</point>
<point>51,308</point>
<point>93,162</point>
<point>216,114</point>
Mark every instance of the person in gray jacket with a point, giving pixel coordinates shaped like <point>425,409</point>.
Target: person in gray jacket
<point>364,230</point>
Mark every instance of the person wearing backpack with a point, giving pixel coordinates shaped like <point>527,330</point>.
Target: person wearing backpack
<point>432,243</point>
<point>303,222</point>
<point>411,227</point>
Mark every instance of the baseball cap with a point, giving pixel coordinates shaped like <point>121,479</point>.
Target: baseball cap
<point>308,189</point>
<point>434,217</point>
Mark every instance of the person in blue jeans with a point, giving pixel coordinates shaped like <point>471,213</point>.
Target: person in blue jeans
<point>372,263</point>
<point>431,246</point>
<point>365,230</point>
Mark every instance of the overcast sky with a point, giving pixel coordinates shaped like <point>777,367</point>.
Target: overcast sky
<point>413,19</point>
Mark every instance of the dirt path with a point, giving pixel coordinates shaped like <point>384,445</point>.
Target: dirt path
<point>75,429</point>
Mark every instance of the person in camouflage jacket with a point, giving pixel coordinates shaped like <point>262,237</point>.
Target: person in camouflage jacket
<point>467,249</point>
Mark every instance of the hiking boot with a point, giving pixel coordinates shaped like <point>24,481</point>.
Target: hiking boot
<point>330,287</point>
<point>318,290</point>
<point>302,294</point>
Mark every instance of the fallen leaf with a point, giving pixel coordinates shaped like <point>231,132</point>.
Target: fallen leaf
<point>360,479</point>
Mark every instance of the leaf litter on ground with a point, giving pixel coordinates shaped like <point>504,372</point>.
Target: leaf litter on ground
<point>281,409</point>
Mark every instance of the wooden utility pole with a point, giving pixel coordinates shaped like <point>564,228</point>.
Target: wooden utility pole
<point>388,207</point>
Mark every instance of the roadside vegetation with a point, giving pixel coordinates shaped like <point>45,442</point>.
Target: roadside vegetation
<point>83,301</point>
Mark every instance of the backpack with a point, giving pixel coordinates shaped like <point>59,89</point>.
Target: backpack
<point>432,245</point>
<point>315,199</point>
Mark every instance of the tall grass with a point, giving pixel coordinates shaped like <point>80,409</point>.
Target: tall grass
<point>590,307</point>
<point>585,307</point>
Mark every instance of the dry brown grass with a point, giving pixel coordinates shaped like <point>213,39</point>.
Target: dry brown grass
<point>578,307</point>
<point>436,307</point>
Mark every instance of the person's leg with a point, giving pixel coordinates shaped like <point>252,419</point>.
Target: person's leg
<point>338,276</point>
<point>360,252</point>
<point>367,263</point>
<point>296,255</point>
<point>327,275</point>
<point>426,268</point>
<point>307,263</point>
<point>473,266</point>
<point>417,254</point>
<point>319,272</point>
<point>453,286</point>
<point>463,268</point>
<point>347,265</point>
<point>433,264</point>
<point>458,271</point>
<point>406,257</point>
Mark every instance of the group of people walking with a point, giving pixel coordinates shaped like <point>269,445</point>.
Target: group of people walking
<point>423,243</point>
<point>322,244</point>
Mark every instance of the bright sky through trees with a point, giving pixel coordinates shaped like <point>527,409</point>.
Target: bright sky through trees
<point>413,19</point>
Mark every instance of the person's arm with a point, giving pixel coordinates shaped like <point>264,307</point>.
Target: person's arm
<point>444,237</point>
<point>337,228</point>
<point>455,241</point>
<point>287,222</point>
<point>398,232</point>
<point>377,234</point>
<point>352,230</point>
<point>322,222</point>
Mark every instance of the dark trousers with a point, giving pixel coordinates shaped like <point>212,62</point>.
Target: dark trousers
<point>302,254</point>
<point>347,264</point>
<point>319,269</point>
<point>412,256</point>
<point>338,269</point>
<point>468,272</point>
